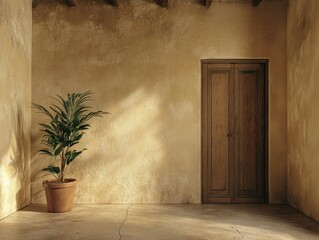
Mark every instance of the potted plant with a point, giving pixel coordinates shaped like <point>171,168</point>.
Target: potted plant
<point>67,123</point>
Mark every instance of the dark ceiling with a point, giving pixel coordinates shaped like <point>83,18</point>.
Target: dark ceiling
<point>162,3</point>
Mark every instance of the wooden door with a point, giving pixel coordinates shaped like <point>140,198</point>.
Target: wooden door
<point>234,131</point>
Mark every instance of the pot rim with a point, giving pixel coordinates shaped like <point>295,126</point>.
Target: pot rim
<point>71,182</point>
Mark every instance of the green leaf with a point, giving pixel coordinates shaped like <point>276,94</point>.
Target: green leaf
<point>72,155</point>
<point>59,114</point>
<point>83,126</point>
<point>64,128</point>
<point>51,169</point>
<point>77,137</point>
<point>49,132</point>
<point>46,126</point>
<point>46,152</point>
<point>42,110</point>
<point>95,114</point>
<point>60,148</point>
<point>74,143</point>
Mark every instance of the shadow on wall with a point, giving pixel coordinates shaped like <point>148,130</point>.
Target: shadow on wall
<point>20,161</point>
<point>14,166</point>
<point>36,172</point>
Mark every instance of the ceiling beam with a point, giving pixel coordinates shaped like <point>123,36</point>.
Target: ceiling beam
<point>70,3</point>
<point>34,3</point>
<point>207,3</point>
<point>255,3</point>
<point>113,2</point>
<point>163,3</point>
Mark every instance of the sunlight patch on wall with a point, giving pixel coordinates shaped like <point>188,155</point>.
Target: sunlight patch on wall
<point>137,146</point>
<point>9,184</point>
<point>132,149</point>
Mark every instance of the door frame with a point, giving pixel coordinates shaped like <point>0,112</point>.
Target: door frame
<point>264,62</point>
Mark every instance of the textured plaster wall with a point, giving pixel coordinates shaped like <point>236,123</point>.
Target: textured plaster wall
<point>143,64</point>
<point>303,111</point>
<point>15,100</point>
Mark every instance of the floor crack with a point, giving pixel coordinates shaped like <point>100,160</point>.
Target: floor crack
<point>240,234</point>
<point>119,230</point>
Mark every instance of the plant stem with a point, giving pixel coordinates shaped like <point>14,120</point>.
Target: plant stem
<point>61,177</point>
<point>63,164</point>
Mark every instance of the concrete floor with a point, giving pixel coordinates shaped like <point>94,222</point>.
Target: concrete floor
<point>154,222</point>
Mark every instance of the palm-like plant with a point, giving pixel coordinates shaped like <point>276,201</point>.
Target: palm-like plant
<point>68,120</point>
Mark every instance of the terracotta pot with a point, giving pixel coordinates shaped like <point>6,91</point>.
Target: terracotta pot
<point>59,195</point>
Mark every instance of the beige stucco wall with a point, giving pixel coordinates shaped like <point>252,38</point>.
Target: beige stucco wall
<point>15,100</point>
<point>303,111</point>
<point>143,64</point>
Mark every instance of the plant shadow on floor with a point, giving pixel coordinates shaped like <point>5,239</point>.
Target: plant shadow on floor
<point>35,208</point>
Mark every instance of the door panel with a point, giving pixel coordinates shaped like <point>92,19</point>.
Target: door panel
<point>250,167</point>
<point>217,123</point>
<point>248,130</point>
<point>233,133</point>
